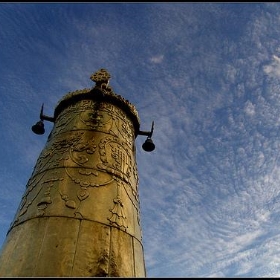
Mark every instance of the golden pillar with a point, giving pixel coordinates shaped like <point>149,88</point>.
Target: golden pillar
<point>79,215</point>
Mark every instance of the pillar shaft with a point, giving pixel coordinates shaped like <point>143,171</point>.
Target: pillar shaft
<point>79,215</point>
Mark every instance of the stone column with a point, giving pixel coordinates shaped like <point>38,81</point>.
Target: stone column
<point>79,215</point>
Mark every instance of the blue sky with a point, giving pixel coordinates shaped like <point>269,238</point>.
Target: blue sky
<point>207,74</point>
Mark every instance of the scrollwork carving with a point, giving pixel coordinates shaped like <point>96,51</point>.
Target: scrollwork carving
<point>56,152</point>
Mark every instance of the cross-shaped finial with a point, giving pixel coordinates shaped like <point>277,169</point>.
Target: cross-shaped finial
<point>100,77</point>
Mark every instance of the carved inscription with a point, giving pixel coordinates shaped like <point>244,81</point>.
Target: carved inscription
<point>115,158</point>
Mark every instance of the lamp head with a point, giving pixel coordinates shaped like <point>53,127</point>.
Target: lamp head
<point>148,145</point>
<point>38,128</point>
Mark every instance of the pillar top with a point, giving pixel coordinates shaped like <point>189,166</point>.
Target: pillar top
<point>101,92</point>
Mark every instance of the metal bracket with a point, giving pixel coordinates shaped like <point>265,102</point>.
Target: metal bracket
<point>147,133</point>
<point>44,117</point>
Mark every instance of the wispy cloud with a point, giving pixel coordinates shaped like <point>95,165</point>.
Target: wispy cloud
<point>273,69</point>
<point>157,59</point>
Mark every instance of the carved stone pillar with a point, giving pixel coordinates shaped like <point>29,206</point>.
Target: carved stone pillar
<point>79,215</point>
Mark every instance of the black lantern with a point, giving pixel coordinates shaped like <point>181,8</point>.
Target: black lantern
<point>148,145</point>
<point>39,128</point>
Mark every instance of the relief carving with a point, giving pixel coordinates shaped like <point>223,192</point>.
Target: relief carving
<point>73,147</point>
<point>56,152</point>
<point>115,158</point>
<point>118,217</point>
<point>35,186</point>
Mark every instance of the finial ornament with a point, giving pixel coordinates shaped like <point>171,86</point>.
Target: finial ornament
<point>101,77</point>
